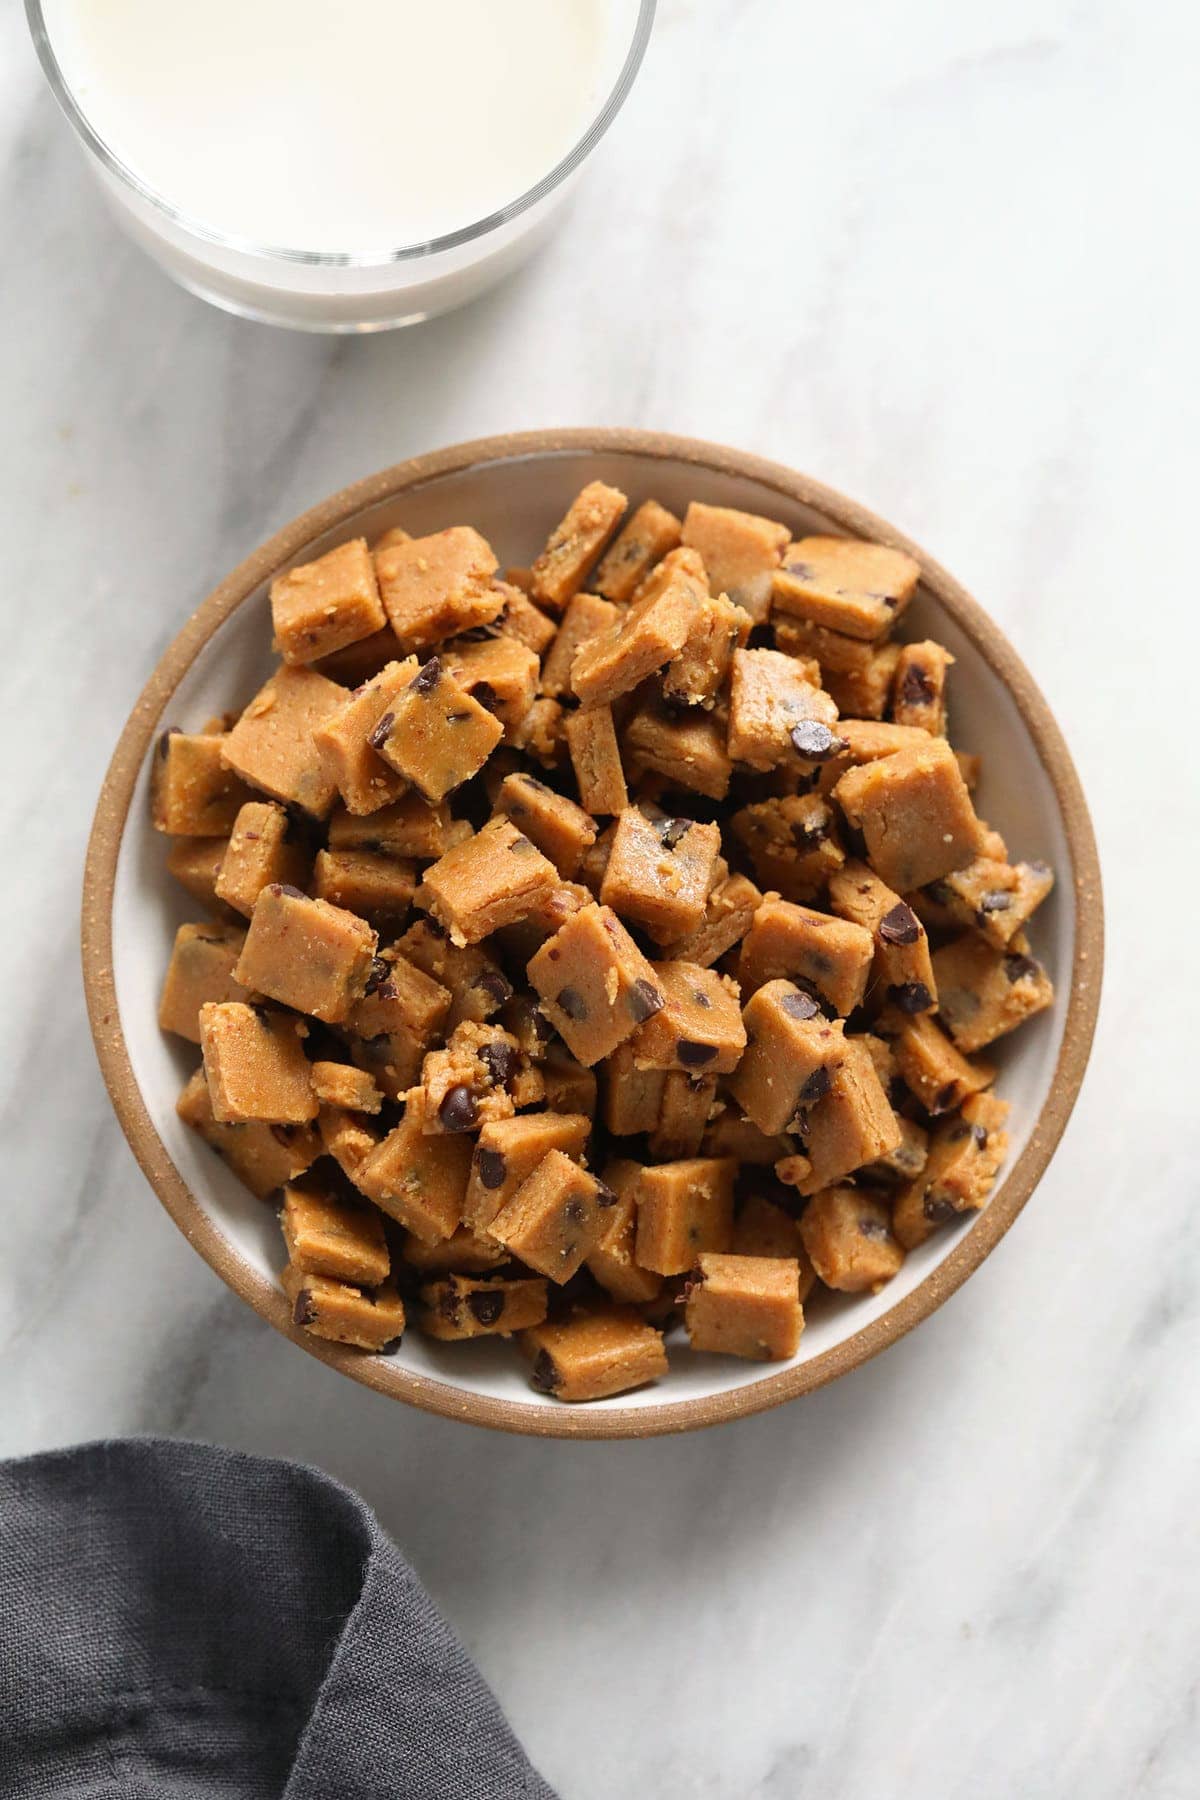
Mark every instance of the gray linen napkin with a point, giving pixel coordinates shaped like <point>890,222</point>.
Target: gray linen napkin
<point>179,1622</point>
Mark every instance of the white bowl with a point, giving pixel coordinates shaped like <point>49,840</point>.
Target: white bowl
<point>514,489</point>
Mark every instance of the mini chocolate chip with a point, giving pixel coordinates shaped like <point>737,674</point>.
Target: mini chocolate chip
<point>434,927</point>
<point>981,1136</point>
<point>1021,968</point>
<point>807,837</point>
<point>572,1002</point>
<point>492,1167</point>
<point>944,1097</point>
<point>457,718</point>
<point>872,1227</point>
<point>164,742</point>
<point>544,1375</point>
<point>543,1030</point>
<point>916,688</point>
<point>605,1195</point>
<point>671,831</point>
<point>575,1210</point>
<point>533,782</point>
<point>900,926</point>
<point>390,1348</point>
<point>804,570</point>
<point>692,1055</point>
<point>285,887</point>
<point>459,1109</point>
<point>960,1131</point>
<point>816,1087</point>
<point>701,999</point>
<point>938,1212</point>
<point>485,695</point>
<point>379,973</point>
<point>494,985</point>
<point>644,1001</point>
<point>799,1005</point>
<point>427,676</point>
<point>501,1062</point>
<point>448,1305</point>
<point>522,844</point>
<point>995,900</point>
<point>815,742</point>
<point>487,1304</point>
<point>912,997</point>
<point>379,736</point>
<point>305,1310</point>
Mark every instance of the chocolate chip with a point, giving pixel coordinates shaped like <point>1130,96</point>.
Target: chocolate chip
<point>575,1210</point>
<point>701,1000</point>
<point>799,1005</point>
<point>912,997</point>
<point>900,926</point>
<point>995,900</point>
<point>872,1227</point>
<point>692,1055</point>
<point>816,1087</point>
<point>644,1001</point>
<point>501,1062</point>
<point>427,676</point>
<point>544,1375</point>
<point>938,1212</point>
<point>572,1002</point>
<point>944,1097</point>
<point>448,1305</point>
<point>981,1136</point>
<point>379,736</point>
<point>815,742</point>
<point>304,1311</point>
<point>916,688</point>
<point>804,570</point>
<point>164,742</point>
<point>486,696</point>
<point>459,1110</point>
<point>390,1348</point>
<point>379,973</point>
<point>492,1168</point>
<point>1021,968</point>
<point>494,985</point>
<point>487,1304</point>
<point>605,1195</point>
<point>521,844</point>
<point>285,887</point>
<point>533,782</point>
<point>543,1030</point>
<point>806,836</point>
<point>671,831</point>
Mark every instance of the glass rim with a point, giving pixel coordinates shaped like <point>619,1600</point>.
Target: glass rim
<point>450,240</point>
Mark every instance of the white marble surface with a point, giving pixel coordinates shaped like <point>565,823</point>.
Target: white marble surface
<point>942,254</point>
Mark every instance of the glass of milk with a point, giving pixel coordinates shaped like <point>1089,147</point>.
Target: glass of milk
<point>339,165</point>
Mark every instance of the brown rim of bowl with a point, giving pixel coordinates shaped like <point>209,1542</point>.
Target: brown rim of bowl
<point>553,1419</point>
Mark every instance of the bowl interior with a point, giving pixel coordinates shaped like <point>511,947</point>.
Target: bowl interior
<point>514,502</point>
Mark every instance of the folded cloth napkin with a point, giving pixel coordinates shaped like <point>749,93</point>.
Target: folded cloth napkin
<point>179,1622</point>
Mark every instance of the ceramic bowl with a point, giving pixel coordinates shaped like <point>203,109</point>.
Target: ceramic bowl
<point>514,489</point>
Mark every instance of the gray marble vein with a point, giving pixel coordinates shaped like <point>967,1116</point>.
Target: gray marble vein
<point>943,255</point>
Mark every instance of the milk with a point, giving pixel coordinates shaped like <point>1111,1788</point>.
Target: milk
<point>344,128</point>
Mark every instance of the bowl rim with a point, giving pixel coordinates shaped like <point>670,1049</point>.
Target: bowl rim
<point>383,1374</point>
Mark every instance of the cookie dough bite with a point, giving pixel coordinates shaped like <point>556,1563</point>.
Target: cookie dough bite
<point>334,1237</point>
<point>348,1137</point>
<point>263,1157</point>
<point>614,661</point>
<point>439,586</point>
<point>264,848</point>
<point>272,745</point>
<point>792,843</point>
<point>367,1318</point>
<point>575,544</point>
<point>341,1085</point>
<point>195,864</point>
<point>306,954</point>
<point>997,899</point>
<point>523,621</point>
<point>850,1126</point>
<point>777,716</point>
<point>741,553</point>
<point>919,686</point>
<point>985,993</point>
<point>490,880</point>
<point>964,1159</point>
<point>647,537</point>
<point>687,751</point>
<point>378,888</point>
<point>508,1151</point>
<point>464,1252</point>
<point>745,1306</point>
<point>828,957</point>
<point>936,1072</point>
<point>200,970</point>
<point>847,1233</point>
<point>324,605</point>
<point>684,1208</point>
<point>343,740</point>
<point>542,733</point>
<point>594,1354</point>
<point>901,970</point>
<point>915,814</point>
<point>792,1053</point>
<point>595,985</point>
<point>462,1307</point>
<point>697,675</point>
<point>418,1178</point>
<point>550,912</point>
<point>698,1028</point>
<point>632,1096</point>
<point>255,1065</point>
<point>659,873</point>
<point>434,734</point>
<point>596,759</point>
<point>499,673</point>
<point>856,588</point>
<point>683,1113</point>
<point>612,1262</point>
<point>764,1227</point>
<point>586,615</point>
<point>559,828</point>
<point>555,1217</point>
<point>401,998</point>
<point>470,1081</point>
<point>192,792</point>
<point>866,693</point>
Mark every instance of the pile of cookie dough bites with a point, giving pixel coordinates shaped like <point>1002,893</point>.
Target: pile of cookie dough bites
<point>597,947</point>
